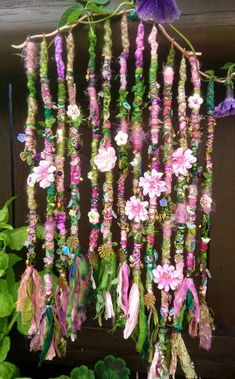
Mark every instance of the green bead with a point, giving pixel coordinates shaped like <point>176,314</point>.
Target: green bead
<point>133,15</point>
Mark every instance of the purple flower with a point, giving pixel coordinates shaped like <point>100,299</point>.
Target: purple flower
<point>226,107</point>
<point>21,137</point>
<point>163,202</point>
<point>161,11</point>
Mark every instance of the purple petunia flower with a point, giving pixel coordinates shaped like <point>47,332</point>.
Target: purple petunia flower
<point>227,106</point>
<point>161,11</point>
<point>21,137</point>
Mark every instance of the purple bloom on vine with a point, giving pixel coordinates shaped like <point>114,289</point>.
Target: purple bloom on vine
<point>161,11</point>
<point>163,202</point>
<point>227,106</point>
<point>21,137</point>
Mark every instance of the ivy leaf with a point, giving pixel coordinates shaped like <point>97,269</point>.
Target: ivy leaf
<point>93,8</point>
<point>4,348</point>
<point>75,16</point>
<point>64,18</point>
<point>9,370</point>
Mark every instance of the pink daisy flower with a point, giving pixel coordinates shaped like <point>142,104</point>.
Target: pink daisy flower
<point>182,161</point>
<point>136,209</point>
<point>152,183</point>
<point>44,174</point>
<point>166,277</point>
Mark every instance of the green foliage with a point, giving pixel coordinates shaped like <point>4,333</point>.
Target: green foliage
<point>227,66</point>
<point>8,371</point>
<point>111,368</point>
<point>87,7</point>
<point>82,372</point>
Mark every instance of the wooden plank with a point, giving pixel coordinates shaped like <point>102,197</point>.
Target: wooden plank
<point>29,16</point>
<point>5,164</point>
<point>95,343</point>
<point>201,21</point>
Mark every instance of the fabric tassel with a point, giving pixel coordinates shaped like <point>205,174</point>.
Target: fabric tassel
<point>31,297</point>
<point>79,286</point>
<point>122,287</point>
<point>161,11</point>
<point>205,326</point>
<point>47,328</point>
<point>158,367</point>
<point>61,301</point>
<point>180,298</point>
<point>178,350</point>
<point>109,311</point>
<point>133,310</point>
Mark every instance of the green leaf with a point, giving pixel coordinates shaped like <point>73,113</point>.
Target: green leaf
<point>12,285</point>
<point>40,232</point>
<point>6,226</point>
<point>61,377</point>
<point>98,2</point>
<point>227,66</point>
<point>4,348</point>
<point>9,370</point>
<point>3,325</point>
<point>93,8</point>
<point>18,237</point>
<point>82,372</point>
<point>4,212</point>
<point>72,19</point>
<point>4,236</point>
<point>6,299</point>
<point>210,72</point>
<point>23,328</point>
<point>13,259</point>
<point>64,18</point>
<point>4,260</point>
<point>111,368</point>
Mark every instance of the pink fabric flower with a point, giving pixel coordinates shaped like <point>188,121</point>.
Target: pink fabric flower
<point>106,158</point>
<point>44,174</point>
<point>168,74</point>
<point>167,277</point>
<point>152,183</point>
<point>182,161</point>
<point>136,209</point>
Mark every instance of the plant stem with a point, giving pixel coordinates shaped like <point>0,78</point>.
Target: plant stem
<point>13,320</point>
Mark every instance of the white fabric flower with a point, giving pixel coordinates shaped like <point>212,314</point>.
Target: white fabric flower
<point>195,101</point>
<point>73,112</point>
<point>93,216</point>
<point>121,138</point>
<point>106,158</point>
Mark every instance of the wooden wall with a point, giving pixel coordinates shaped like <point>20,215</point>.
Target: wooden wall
<point>94,343</point>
